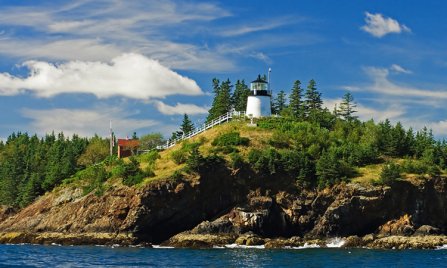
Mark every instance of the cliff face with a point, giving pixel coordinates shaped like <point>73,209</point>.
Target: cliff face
<point>226,203</point>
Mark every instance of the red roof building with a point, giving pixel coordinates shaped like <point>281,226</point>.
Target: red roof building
<point>127,147</point>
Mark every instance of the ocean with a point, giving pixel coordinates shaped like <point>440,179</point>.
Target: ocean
<point>232,256</point>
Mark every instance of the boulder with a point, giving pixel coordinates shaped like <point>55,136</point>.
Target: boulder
<point>427,230</point>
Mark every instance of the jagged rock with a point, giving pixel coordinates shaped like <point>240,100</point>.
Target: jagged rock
<point>217,203</point>
<point>6,212</point>
<point>369,238</point>
<point>189,240</point>
<point>427,230</point>
<point>249,240</point>
<point>401,226</point>
<point>354,241</point>
<point>221,225</point>
<point>294,241</point>
<point>405,242</point>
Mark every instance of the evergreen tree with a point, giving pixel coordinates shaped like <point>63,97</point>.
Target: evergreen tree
<point>222,99</point>
<point>296,102</point>
<point>313,103</point>
<point>279,103</point>
<point>347,107</point>
<point>187,126</point>
<point>240,95</point>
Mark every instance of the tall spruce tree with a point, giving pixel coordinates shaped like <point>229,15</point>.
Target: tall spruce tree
<point>296,102</point>
<point>313,103</point>
<point>222,99</point>
<point>280,102</point>
<point>347,107</point>
<point>187,126</point>
<point>240,95</point>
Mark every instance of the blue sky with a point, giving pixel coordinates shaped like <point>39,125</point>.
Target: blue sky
<point>74,65</point>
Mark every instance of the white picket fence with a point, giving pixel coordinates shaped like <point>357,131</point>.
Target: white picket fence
<point>221,119</point>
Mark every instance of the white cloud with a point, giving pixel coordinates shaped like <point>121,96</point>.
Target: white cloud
<point>69,49</point>
<point>84,122</point>
<point>100,30</point>
<point>129,75</point>
<point>379,25</point>
<point>180,108</point>
<point>392,112</point>
<point>262,26</point>
<point>383,85</point>
<point>399,69</point>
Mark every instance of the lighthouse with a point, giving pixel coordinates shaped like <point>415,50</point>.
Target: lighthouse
<point>259,100</point>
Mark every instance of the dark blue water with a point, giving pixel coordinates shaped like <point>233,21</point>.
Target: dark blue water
<point>89,256</point>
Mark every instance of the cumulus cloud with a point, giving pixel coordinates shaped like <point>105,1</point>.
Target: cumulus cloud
<point>378,25</point>
<point>129,75</point>
<point>179,108</point>
<point>85,122</point>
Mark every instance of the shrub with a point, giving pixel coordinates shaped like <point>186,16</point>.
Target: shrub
<point>132,173</point>
<point>390,173</point>
<point>150,157</point>
<point>330,169</point>
<point>195,159</point>
<point>236,161</point>
<point>280,140</point>
<point>267,161</point>
<point>230,139</point>
<point>95,176</point>
<point>179,156</point>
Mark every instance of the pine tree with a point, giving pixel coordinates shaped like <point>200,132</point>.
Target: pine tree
<point>347,107</point>
<point>240,95</point>
<point>279,104</point>
<point>296,102</point>
<point>187,126</point>
<point>222,99</point>
<point>313,103</point>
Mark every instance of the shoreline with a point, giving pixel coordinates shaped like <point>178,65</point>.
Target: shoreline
<point>192,241</point>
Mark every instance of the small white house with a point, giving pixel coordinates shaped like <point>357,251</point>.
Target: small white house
<point>259,100</point>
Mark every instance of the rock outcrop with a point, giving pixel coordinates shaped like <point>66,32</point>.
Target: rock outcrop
<point>220,207</point>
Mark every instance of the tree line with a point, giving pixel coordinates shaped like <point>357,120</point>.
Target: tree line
<point>31,166</point>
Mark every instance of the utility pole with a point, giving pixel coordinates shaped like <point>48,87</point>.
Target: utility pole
<point>112,143</point>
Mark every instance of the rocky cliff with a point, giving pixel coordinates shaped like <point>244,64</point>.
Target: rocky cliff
<point>221,206</point>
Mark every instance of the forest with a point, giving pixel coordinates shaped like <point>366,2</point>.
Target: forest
<point>316,146</point>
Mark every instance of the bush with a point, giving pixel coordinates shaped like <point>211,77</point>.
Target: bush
<point>230,139</point>
<point>330,169</point>
<point>414,166</point>
<point>267,161</point>
<point>150,157</point>
<point>95,176</point>
<point>133,174</point>
<point>236,161</point>
<point>180,156</point>
<point>390,173</point>
<point>195,159</point>
<point>280,140</point>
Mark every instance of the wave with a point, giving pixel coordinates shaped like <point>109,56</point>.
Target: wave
<point>305,246</point>
<point>336,242</point>
<point>243,246</point>
<point>441,247</point>
<point>161,247</point>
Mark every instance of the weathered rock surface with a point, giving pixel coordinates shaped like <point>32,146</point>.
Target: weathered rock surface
<point>221,207</point>
<point>405,242</point>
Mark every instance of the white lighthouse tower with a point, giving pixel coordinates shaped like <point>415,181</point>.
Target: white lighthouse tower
<point>259,100</point>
